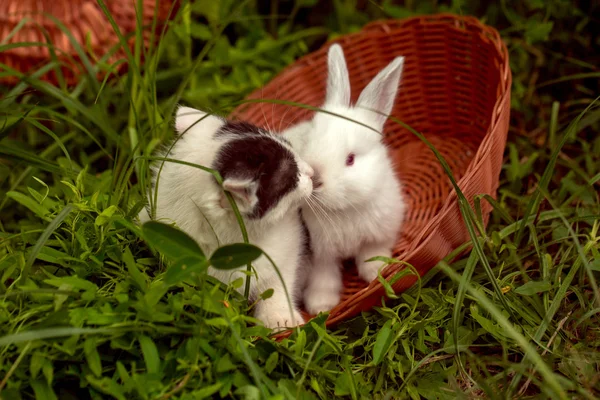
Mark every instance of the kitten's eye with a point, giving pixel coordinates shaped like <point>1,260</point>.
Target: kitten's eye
<point>350,159</point>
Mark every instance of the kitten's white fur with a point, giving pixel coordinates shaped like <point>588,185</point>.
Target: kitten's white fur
<point>360,208</point>
<point>189,197</point>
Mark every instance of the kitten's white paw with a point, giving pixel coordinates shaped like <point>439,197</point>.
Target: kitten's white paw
<point>368,270</point>
<point>279,320</point>
<point>320,301</point>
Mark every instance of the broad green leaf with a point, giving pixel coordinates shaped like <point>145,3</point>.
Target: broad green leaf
<point>465,338</point>
<point>383,342</point>
<point>248,392</point>
<point>51,255</point>
<point>208,9</point>
<point>389,290</point>
<point>105,216</point>
<point>171,242</point>
<point>155,293</point>
<point>200,31</point>
<point>271,362</point>
<point>300,345</point>
<point>107,386</point>
<point>184,268</point>
<point>206,392</point>
<point>267,294</point>
<point>92,356</point>
<point>224,364</point>
<point>487,324</point>
<point>217,322</point>
<point>96,316</point>
<point>136,276</point>
<point>42,390</point>
<point>36,363</point>
<point>234,255</point>
<point>73,281</point>
<point>48,370</point>
<point>28,202</point>
<point>150,353</point>
<point>123,374</point>
<point>533,287</point>
<point>343,384</point>
<point>537,31</point>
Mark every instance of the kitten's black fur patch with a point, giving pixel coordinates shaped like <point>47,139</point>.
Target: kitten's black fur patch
<point>244,128</point>
<point>260,158</point>
<point>241,128</point>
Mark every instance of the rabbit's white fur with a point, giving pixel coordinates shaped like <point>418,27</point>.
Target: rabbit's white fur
<point>358,210</point>
<point>189,197</point>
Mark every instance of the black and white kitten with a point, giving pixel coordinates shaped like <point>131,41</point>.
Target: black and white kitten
<point>268,181</point>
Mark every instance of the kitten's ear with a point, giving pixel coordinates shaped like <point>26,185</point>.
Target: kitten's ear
<point>243,191</point>
<point>338,81</point>
<point>380,93</point>
<point>186,118</point>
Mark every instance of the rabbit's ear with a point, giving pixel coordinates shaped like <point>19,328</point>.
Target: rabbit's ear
<point>380,93</point>
<point>187,118</point>
<point>338,82</point>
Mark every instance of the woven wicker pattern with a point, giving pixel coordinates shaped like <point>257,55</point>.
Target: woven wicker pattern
<point>84,20</point>
<point>455,89</point>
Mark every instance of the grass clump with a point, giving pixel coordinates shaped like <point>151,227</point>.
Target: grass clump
<point>87,309</point>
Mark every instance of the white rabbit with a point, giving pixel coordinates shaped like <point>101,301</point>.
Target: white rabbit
<point>357,207</point>
<point>268,181</point>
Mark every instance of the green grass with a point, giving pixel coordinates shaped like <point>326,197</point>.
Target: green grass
<point>87,309</point>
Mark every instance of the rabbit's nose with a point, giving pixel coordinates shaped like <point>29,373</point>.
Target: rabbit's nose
<point>316,180</point>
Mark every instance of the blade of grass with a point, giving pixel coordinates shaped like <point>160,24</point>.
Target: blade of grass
<point>6,130</point>
<point>69,102</point>
<point>8,100</point>
<point>583,75</point>
<point>41,334</point>
<point>256,372</point>
<point>54,137</point>
<point>209,44</point>
<point>549,377</point>
<point>458,308</point>
<point>580,250</point>
<point>72,121</point>
<point>32,160</point>
<point>534,203</point>
<point>91,70</point>
<point>15,30</point>
<point>122,40</point>
<point>35,250</point>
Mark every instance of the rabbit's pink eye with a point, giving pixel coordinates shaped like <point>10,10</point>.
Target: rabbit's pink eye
<point>350,159</point>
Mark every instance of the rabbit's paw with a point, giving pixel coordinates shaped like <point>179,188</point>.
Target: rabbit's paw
<point>279,319</point>
<point>369,270</point>
<point>317,301</point>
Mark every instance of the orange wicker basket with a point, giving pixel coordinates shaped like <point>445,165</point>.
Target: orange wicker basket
<point>84,20</point>
<point>455,90</point>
